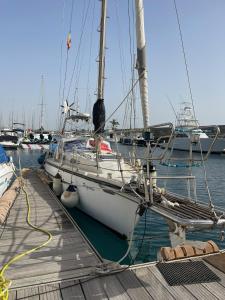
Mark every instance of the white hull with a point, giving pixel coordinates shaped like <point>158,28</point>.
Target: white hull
<point>6,175</point>
<point>9,145</point>
<point>35,146</point>
<point>100,201</point>
<point>183,144</point>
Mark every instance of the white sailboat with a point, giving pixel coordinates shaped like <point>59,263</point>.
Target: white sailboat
<point>106,184</point>
<point>6,171</point>
<point>116,192</point>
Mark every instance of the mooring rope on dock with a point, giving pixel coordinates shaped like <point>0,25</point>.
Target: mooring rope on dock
<point>5,283</point>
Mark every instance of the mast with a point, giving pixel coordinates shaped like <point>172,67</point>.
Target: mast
<point>42,103</point>
<point>99,107</point>
<point>101,70</point>
<point>141,61</point>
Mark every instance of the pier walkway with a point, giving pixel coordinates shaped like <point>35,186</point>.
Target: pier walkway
<point>66,268</point>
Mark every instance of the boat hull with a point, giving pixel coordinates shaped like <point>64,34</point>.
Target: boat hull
<point>9,145</point>
<point>6,176</point>
<point>97,199</point>
<point>35,146</point>
<point>183,144</point>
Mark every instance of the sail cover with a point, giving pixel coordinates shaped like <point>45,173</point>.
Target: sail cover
<point>99,116</point>
<point>3,157</point>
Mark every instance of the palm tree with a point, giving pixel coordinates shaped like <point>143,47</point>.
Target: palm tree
<point>114,124</point>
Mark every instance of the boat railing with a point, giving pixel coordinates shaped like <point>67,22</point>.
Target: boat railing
<point>153,179</point>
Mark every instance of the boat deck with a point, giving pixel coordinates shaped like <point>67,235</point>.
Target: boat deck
<point>186,212</point>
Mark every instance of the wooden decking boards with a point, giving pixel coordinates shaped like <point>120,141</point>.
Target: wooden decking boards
<point>62,269</point>
<point>68,255</point>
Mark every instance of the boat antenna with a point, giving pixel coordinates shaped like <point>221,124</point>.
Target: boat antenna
<point>141,61</point>
<point>99,106</point>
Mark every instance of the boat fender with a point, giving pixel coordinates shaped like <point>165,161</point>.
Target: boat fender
<point>57,184</point>
<point>70,197</point>
<point>153,173</point>
<point>141,209</point>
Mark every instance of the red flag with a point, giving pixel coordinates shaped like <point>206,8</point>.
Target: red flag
<point>68,42</point>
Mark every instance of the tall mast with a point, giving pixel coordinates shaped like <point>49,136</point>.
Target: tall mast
<point>99,107</point>
<point>141,61</point>
<point>42,103</point>
<point>101,68</point>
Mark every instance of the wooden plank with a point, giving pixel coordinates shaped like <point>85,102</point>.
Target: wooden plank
<point>49,267</point>
<point>79,259</point>
<point>49,250</point>
<point>113,288</point>
<point>178,292</point>
<point>219,286</point>
<point>28,293</point>
<point>20,232</point>
<point>216,289</point>
<point>12,295</point>
<point>219,273</point>
<point>50,292</point>
<point>132,286</point>
<point>200,292</point>
<point>52,277</point>
<point>59,239</point>
<point>152,284</point>
<point>71,290</point>
<point>94,289</point>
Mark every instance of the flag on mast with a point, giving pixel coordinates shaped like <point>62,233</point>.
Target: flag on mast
<point>68,42</point>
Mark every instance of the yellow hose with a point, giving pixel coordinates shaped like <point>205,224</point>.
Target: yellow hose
<point>4,283</point>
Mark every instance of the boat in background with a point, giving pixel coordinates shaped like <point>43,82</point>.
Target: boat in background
<point>6,171</point>
<point>37,140</point>
<point>188,135</point>
<point>9,138</point>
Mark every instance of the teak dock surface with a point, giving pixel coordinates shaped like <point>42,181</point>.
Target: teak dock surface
<point>62,269</point>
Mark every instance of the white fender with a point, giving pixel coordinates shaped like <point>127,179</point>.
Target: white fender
<point>70,197</point>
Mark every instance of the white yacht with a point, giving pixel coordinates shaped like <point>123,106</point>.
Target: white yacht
<point>9,138</point>
<point>188,136</point>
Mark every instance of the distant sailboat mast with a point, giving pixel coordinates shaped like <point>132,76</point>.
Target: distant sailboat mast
<point>141,61</point>
<point>42,104</point>
<point>99,107</point>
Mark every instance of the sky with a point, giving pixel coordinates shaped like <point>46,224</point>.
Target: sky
<point>32,32</point>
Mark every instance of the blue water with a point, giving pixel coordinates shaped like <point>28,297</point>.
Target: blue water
<point>151,225</point>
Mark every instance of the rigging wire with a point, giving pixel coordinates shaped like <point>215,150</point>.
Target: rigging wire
<point>121,103</point>
<point>122,58</point>
<point>85,15</point>
<point>185,57</point>
<point>87,106</point>
<point>61,54</point>
<point>67,52</point>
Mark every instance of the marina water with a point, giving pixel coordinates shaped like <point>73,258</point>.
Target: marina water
<point>151,233</point>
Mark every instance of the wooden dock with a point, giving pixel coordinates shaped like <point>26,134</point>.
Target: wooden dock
<point>66,268</point>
